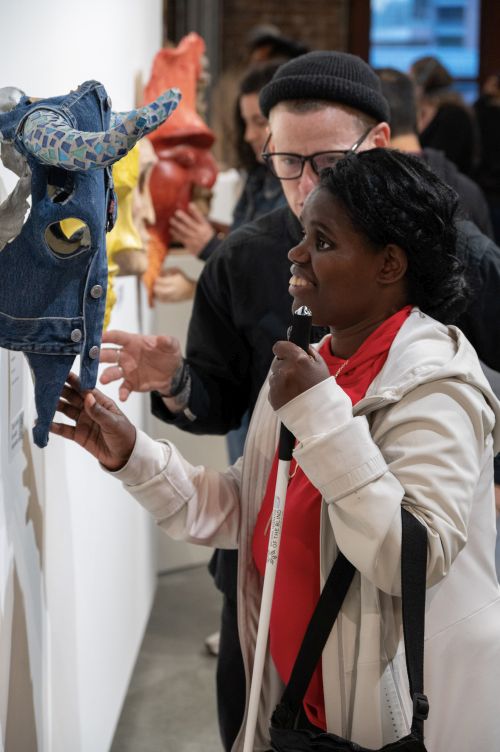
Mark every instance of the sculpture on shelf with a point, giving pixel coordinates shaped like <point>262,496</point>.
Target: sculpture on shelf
<point>182,145</point>
<point>124,242</point>
<point>54,272</point>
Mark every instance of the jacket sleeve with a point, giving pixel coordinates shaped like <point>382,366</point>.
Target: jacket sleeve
<point>210,247</point>
<point>217,352</point>
<point>189,503</point>
<point>409,456</point>
<point>481,321</point>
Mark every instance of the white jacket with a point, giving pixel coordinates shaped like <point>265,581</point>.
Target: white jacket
<point>423,438</point>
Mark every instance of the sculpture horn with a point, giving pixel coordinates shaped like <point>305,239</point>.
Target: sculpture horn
<point>47,135</point>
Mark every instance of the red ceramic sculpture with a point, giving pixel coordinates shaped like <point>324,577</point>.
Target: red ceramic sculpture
<point>182,145</point>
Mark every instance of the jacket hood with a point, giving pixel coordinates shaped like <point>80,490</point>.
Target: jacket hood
<point>442,352</point>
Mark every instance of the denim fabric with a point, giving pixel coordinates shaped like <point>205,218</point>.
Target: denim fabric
<point>52,305</point>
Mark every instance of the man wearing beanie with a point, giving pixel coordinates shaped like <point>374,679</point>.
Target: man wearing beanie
<point>320,106</point>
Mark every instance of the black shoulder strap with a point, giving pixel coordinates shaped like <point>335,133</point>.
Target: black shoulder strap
<point>413,572</point>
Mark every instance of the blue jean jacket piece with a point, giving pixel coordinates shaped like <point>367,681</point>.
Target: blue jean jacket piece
<point>53,284</point>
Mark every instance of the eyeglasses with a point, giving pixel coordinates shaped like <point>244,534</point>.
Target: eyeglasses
<point>288,166</point>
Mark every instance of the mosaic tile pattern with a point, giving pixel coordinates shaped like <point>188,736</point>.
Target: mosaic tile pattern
<point>50,139</point>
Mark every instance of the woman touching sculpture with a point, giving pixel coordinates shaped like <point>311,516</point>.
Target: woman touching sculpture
<point>390,410</point>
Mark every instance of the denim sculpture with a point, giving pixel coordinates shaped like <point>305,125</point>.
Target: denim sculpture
<point>53,278</point>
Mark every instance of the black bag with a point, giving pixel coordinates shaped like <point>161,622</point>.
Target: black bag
<point>285,736</point>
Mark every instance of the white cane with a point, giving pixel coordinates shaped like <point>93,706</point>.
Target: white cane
<point>299,335</point>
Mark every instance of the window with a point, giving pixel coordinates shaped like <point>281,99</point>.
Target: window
<point>404,30</point>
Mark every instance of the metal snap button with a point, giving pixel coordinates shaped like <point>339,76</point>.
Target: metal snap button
<point>96,291</point>
<point>76,335</point>
<point>94,352</point>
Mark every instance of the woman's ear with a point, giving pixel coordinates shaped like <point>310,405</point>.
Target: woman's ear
<point>394,265</point>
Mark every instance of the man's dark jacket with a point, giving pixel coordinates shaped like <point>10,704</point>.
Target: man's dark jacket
<point>472,201</point>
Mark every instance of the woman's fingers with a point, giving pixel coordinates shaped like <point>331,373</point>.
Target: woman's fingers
<point>181,229</point>
<point>70,411</point>
<point>196,213</point>
<point>101,400</point>
<point>184,219</point>
<point>74,381</point>
<point>71,396</point>
<point>64,430</point>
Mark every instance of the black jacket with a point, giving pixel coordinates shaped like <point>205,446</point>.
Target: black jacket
<point>453,129</point>
<point>472,200</point>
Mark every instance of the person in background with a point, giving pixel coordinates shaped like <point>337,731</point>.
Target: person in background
<point>263,43</point>
<point>487,109</point>
<point>399,90</point>
<point>391,411</point>
<point>444,120</point>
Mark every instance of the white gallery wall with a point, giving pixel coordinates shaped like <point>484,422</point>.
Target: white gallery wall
<point>77,555</point>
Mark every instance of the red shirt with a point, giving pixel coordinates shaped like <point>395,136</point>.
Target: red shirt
<point>297,585</point>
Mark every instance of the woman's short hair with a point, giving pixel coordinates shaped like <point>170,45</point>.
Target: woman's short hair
<point>391,197</point>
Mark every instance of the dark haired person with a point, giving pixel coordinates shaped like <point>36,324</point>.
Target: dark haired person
<point>399,90</point>
<point>487,109</point>
<point>445,122</point>
<point>391,409</point>
<point>263,43</point>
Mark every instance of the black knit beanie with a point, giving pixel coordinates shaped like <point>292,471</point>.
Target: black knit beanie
<point>331,76</point>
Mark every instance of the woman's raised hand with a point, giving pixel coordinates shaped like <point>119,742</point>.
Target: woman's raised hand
<point>173,286</point>
<point>192,229</point>
<point>99,425</point>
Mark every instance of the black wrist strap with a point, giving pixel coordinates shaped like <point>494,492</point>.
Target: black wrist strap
<point>179,381</point>
<point>413,576</point>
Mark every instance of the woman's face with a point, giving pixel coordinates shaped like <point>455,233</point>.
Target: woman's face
<point>335,270</point>
<point>256,129</point>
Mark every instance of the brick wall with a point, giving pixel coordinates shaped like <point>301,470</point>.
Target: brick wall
<point>322,24</point>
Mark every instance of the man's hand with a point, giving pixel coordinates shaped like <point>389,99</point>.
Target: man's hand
<point>191,229</point>
<point>143,362</point>
<point>100,427</point>
<point>173,286</point>
<point>293,371</point>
